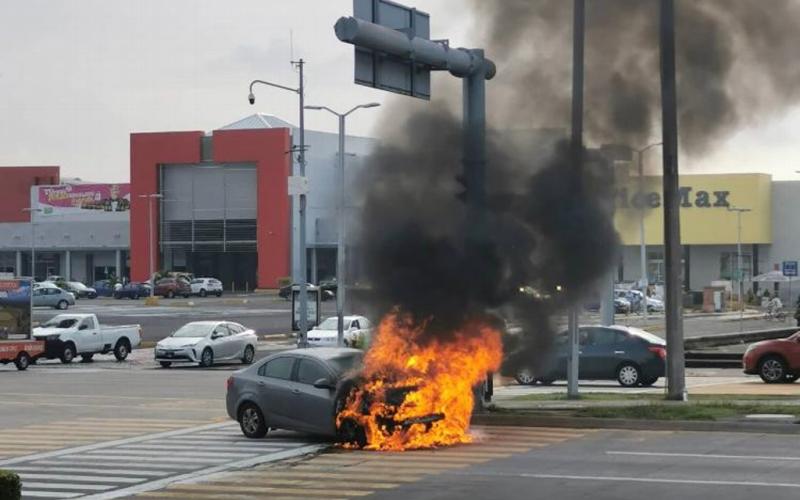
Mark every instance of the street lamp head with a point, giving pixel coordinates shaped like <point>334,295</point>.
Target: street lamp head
<point>371,105</point>
<point>251,97</point>
<point>315,108</point>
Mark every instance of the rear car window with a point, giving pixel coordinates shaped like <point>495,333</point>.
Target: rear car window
<point>280,368</point>
<point>310,371</point>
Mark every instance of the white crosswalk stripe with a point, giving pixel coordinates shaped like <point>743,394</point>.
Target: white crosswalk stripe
<point>146,462</point>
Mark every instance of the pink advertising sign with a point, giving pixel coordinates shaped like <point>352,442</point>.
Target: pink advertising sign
<point>84,199</point>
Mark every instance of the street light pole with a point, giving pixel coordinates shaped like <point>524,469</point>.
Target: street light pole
<point>739,276</point>
<point>151,238</point>
<point>340,244</point>
<point>301,160</point>
<point>643,244</point>
<point>33,240</point>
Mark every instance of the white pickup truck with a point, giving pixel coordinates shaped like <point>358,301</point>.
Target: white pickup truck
<point>69,335</point>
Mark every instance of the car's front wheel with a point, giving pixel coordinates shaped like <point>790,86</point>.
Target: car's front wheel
<point>207,358</point>
<point>62,305</point>
<point>203,293</point>
<point>524,376</point>
<point>772,369</point>
<point>629,375</point>
<point>251,421</point>
<point>68,353</point>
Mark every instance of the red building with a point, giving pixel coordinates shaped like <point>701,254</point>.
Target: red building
<point>221,207</point>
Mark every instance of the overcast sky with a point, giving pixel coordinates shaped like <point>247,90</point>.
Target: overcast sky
<point>78,76</point>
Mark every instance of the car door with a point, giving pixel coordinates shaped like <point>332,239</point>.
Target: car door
<point>236,341</point>
<point>219,342</point>
<point>88,336</point>
<point>275,386</point>
<point>600,356</point>
<point>313,407</point>
<point>39,297</point>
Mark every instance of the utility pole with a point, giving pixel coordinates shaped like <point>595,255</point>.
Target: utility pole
<point>150,226</point>
<point>676,376</point>
<point>301,160</point>
<point>739,277</point>
<point>643,244</point>
<point>340,246</point>
<point>578,27</point>
<point>33,241</point>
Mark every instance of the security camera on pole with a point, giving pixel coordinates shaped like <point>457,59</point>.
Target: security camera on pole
<point>298,187</point>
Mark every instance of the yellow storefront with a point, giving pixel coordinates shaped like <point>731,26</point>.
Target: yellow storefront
<point>709,224</point>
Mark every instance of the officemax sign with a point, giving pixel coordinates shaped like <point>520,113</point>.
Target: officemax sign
<point>704,201</point>
<point>689,198</point>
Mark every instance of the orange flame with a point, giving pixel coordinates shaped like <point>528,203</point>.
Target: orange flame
<point>420,395</point>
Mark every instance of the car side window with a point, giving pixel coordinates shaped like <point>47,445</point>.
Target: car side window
<point>355,325</point>
<point>234,328</point>
<point>280,368</point>
<point>310,371</point>
<point>602,337</point>
<point>221,330</point>
<point>622,337</point>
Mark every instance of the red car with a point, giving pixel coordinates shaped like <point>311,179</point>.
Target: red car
<point>775,361</point>
<point>170,287</point>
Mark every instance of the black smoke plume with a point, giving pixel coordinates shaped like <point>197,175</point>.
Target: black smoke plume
<point>736,65</point>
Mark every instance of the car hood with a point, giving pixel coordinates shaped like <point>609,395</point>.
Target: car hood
<point>173,342</point>
<point>46,332</point>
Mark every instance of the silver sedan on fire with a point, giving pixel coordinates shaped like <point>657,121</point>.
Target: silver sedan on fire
<point>205,342</point>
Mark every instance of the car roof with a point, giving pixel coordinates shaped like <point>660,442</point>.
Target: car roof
<point>323,353</point>
<point>205,323</point>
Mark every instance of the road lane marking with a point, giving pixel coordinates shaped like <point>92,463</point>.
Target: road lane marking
<point>178,454</point>
<point>129,458</point>
<point>623,479</point>
<point>202,473</point>
<point>78,478</point>
<point>65,486</point>
<point>51,494</point>
<point>84,462</point>
<point>107,444</point>
<point>80,470</point>
<point>703,455</point>
<point>262,490</point>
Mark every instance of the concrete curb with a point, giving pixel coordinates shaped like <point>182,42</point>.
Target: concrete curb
<point>523,420</point>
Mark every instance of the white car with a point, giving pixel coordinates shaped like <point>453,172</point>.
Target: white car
<point>357,332</point>
<point>206,286</point>
<point>655,305</point>
<point>204,342</point>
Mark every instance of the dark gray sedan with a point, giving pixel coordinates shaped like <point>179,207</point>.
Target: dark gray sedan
<point>299,390</point>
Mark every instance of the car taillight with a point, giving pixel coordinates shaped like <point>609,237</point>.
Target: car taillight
<point>229,383</point>
<point>658,350</point>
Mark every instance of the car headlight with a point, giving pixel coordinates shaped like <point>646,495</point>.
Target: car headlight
<point>188,345</point>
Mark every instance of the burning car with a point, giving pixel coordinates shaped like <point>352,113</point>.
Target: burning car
<point>402,394</point>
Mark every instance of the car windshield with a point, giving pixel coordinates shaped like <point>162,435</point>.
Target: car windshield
<point>347,362</point>
<point>60,322</point>
<point>192,330</point>
<point>333,324</point>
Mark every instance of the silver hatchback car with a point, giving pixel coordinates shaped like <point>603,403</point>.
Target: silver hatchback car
<point>299,390</point>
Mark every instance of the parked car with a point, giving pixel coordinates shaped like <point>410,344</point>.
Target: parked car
<point>132,291</point>
<point>69,335</point>
<point>775,361</point>
<point>80,290</point>
<point>170,287</point>
<point>48,295</point>
<point>635,298</point>
<point>621,305</point>
<point>300,390</point>
<point>655,305</point>
<point>206,286</point>
<point>103,288</point>
<point>629,355</point>
<point>204,342</point>
<point>357,332</point>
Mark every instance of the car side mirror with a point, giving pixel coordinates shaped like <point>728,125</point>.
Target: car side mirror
<point>324,383</point>
<point>83,327</point>
<point>215,336</point>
